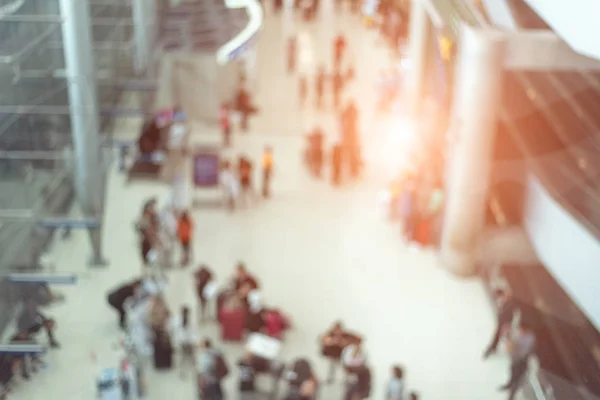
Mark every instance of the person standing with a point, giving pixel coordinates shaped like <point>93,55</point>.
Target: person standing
<point>320,87</point>
<point>521,347</point>
<point>339,48</point>
<point>225,122</point>
<point>359,387</point>
<point>203,277</point>
<point>395,387</point>
<point>187,338</point>
<point>267,161</point>
<point>315,152</point>
<point>507,307</point>
<point>337,86</point>
<point>230,185</point>
<point>212,369</point>
<point>185,227</point>
<point>292,50</point>
<point>336,165</point>
<point>245,175</point>
<point>303,91</point>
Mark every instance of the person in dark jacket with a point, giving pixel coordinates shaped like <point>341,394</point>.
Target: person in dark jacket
<point>31,321</point>
<point>507,306</point>
<point>360,387</point>
<point>118,297</point>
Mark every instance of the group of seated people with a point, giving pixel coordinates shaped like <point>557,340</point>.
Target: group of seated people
<point>343,347</point>
<point>29,323</point>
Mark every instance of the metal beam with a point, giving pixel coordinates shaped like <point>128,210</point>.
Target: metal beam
<point>32,18</point>
<point>57,19</point>
<point>543,50</point>
<point>16,214</point>
<point>33,155</point>
<point>105,45</point>
<point>65,110</point>
<point>55,279</point>
<point>17,349</point>
<point>12,58</point>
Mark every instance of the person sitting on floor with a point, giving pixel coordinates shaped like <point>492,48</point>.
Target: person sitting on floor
<point>32,321</point>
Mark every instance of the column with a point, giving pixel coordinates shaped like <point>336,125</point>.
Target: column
<point>80,74</point>
<point>419,39</point>
<point>476,104</point>
<point>144,15</point>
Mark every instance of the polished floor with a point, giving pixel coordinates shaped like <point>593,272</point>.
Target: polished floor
<point>321,254</point>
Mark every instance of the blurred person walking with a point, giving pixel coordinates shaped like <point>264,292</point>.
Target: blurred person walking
<point>320,87</point>
<point>225,123</point>
<point>185,228</point>
<point>267,164</point>
<point>521,347</point>
<point>507,308</point>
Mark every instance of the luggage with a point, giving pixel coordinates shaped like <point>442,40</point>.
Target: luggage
<point>163,350</point>
<point>254,321</point>
<point>232,324</point>
<point>222,297</point>
<point>276,324</point>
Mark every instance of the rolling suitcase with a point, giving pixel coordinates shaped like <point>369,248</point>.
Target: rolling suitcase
<point>233,322</point>
<point>163,351</point>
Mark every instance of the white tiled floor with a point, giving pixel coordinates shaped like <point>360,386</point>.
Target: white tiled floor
<point>320,254</point>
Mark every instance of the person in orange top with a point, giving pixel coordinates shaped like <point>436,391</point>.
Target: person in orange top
<point>225,122</point>
<point>267,164</point>
<point>185,226</point>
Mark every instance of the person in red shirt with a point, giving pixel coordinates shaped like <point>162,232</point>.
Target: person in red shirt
<point>185,227</point>
<point>225,122</point>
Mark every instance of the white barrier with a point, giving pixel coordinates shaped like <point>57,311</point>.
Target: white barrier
<point>232,49</point>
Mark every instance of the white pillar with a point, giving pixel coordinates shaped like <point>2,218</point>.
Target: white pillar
<point>419,39</point>
<point>83,103</point>
<point>143,31</point>
<point>476,104</point>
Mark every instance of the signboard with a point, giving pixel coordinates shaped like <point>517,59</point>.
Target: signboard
<point>206,166</point>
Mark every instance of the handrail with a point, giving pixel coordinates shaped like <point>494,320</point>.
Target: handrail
<point>230,50</point>
<point>11,8</point>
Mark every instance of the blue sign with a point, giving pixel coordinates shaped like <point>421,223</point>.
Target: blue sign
<point>207,166</point>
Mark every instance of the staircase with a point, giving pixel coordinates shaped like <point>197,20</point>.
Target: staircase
<point>198,25</point>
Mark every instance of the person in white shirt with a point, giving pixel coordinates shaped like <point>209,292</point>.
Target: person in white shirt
<point>230,185</point>
<point>186,337</point>
<point>353,356</point>
<point>395,387</point>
